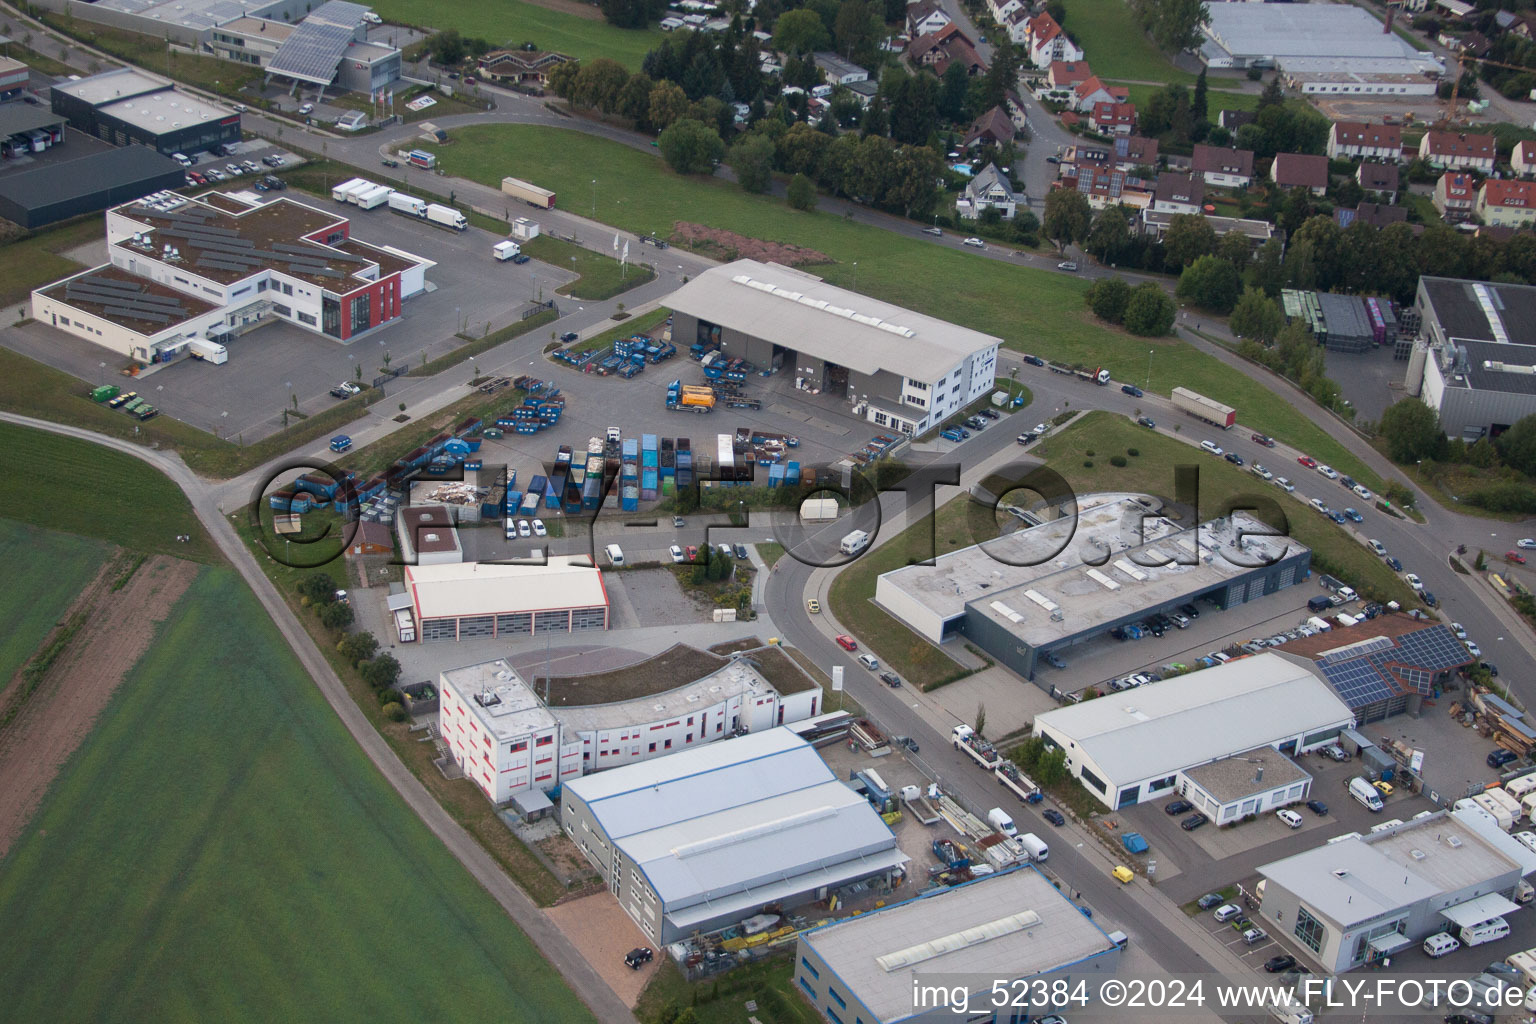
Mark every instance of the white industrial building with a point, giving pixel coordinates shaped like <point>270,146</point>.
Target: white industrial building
<point>216,266</point>
<point>456,600</point>
<point>708,837</point>
<point>1141,744</point>
<point>1009,928</point>
<point>1474,362</point>
<point>1062,580</point>
<point>1356,900</point>
<point>501,735</point>
<point>896,367</point>
<point>1320,48</point>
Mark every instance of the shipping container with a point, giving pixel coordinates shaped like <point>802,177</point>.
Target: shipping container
<point>1206,409</point>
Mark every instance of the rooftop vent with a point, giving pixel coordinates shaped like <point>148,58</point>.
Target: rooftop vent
<point>1416,854</point>
<point>1454,842</point>
<point>1340,873</point>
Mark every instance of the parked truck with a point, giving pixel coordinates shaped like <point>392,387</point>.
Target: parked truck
<point>529,193</point>
<point>1207,410</point>
<point>1022,785</point>
<point>699,399</point>
<point>371,197</point>
<point>979,750</point>
<point>504,251</point>
<point>209,351</point>
<point>408,205</point>
<point>342,192</point>
<point>1099,376</point>
<point>405,626</point>
<point>919,806</point>
<point>446,216</point>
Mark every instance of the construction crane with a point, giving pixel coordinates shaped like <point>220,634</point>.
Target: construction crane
<point>1462,60</point>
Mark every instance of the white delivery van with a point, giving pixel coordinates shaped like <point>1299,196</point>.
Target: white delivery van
<point>505,250</point>
<point>999,819</point>
<point>1488,931</point>
<point>1348,594</point>
<point>854,542</point>
<point>1365,793</point>
<point>1441,943</point>
<point>1290,817</point>
<point>1286,1008</point>
<point>616,558</point>
<point>1035,847</point>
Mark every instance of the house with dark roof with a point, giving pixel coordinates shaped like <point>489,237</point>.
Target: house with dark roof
<point>1381,179</point>
<point>1455,196</point>
<point>925,17</point>
<point>1223,168</point>
<point>1017,112</point>
<point>1383,666</point>
<point>1356,140</point>
<point>1113,118</point>
<point>1132,151</point>
<point>926,50</point>
<point>1458,151</point>
<point>1507,204</point>
<point>1232,120</point>
<point>1300,170</point>
<point>372,538</point>
<point>988,190</point>
<point>994,127</point>
<point>1374,214</point>
<point>527,67</point>
<point>1178,193</point>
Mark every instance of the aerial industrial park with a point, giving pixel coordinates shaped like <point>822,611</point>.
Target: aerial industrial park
<point>698,512</point>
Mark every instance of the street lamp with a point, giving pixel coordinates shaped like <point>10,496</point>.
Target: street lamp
<point>594,198</point>
<point>1149,367</point>
<point>855,275</point>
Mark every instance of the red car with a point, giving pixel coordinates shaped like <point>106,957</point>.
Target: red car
<point>1308,461</point>
<point>692,553</point>
<point>847,642</point>
<point>1514,556</point>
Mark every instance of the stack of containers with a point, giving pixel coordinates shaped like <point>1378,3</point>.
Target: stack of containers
<point>775,475</point>
<point>668,458</point>
<point>684,463</point>
<point>650,467</point>
<point>725,458</point>
<point>629,476</point>
<point>791,473</point>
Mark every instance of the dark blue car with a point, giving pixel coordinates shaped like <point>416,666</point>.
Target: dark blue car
<point>1132,390</point>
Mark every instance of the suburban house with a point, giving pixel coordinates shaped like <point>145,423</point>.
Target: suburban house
<point>1355,140</point>
<point>1300,170</point>
<point>838,71</point>
<point>1002,9</point>
<point>1178,193</point>
<point>526,67</point>
<point>1455,196</point>
<point>988,190</point>
<point>1133,151</point>
<point>1104,186</point>
<point>1113,118</point>
<point>1374,214</point>
<point>994,127</point>
<point>1017,26</point>
<point>1223,168</point>
<point>372,539</point>
<point>1048,43</point>
<point>962,53</point>
<point>1458,151</point>
<point>1017,113</point>
<point>1068,74</point>
<point>1506,204</point>
<point>1091,92</point>
<point>1381,179</point>
<point>1523,160</point>
<point>925,18</point>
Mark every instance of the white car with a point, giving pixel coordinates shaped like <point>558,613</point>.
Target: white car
<point>1284,484</point>
<point>539,529</point>
<point>1040,429</point>
<point>1363,491</point>
<point>1459,630</point>
<point>1066,265</point>
<point>349,387</point>
<point>1412,579</point>
<point>1525,542</point>
<point>1212,447</point>
<point>676,553</point>
<point>308,108</point>
<point>1378,547</point>
<point>1260,472</point>
<point>1328,471</point>
<point>1317,504</point>
<point>1290,817</point>
<point>974,243</point>
<point>523,529</point>
<point>1473,649</point>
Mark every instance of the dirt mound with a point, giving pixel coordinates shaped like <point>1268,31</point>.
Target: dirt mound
<point>728,245</point>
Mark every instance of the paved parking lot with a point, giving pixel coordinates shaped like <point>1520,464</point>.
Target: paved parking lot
<point>1371,380</point>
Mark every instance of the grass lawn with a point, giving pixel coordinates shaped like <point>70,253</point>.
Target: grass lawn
<point>1115,45</point>
<point>225,851</point>
<point>35,261</point>
<point>77,487</point>
<point>1217,100</point>
<point>1032,310</point>
<point>513,22</point>
<point>40,62</point>
<point>720,1000</point>
<point>602,276</point>
<point>1422,205</point>
<point>48,571</point>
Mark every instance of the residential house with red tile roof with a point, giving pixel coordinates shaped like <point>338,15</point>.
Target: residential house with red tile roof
<point>1506,204</point>
<point>1455,196</point>
<point>1458,151</point>
<point>1113,118</point>
<point>1356,140</point>
<point>1300,170</point>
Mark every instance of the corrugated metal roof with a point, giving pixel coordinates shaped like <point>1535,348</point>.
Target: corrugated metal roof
<point>118,174</point>
<point>483,588</point>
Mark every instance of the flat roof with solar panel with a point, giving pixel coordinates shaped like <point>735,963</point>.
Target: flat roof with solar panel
<point>1383,658</point>
<point>313,50</point>
<point>134,302</point>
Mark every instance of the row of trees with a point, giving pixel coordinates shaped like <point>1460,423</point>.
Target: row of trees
<point>1145,310</point>
<point>1174,25</point>
<point>1413,433</point>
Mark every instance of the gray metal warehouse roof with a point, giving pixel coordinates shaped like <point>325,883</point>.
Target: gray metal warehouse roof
<point>24,117</point>
<point>1481,311</point>
<point>100,171</point>
<point>1162,728</point>
<point>736,815</point>
<point>1008,927</point>
<point>802,312</point>
<point>1305,30</point>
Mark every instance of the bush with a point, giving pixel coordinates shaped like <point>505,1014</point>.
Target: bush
<point>1090,453</point>
<point>1087,463</point>
<point>394,711</point>
<point>1133,452</point>
<point>336,616</point>
<point>381,673</point>
<point>1118,461</point>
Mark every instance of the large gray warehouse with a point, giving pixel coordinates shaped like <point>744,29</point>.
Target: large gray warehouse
<point>126,105</point>
<point>897,368</point>
<point>1008,928</point>
<point>1044,588</point>
<point>707,837</point>
<point>57,191</point>
<point>1324,47</point>
<point>1475,362</point>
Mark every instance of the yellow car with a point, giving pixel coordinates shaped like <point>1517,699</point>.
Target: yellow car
<point>813,606</point>
<point>1385,787</point>
<point>1123,874</point>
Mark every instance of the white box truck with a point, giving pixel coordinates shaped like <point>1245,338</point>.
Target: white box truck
<point>405,626</point>
<point>1035,847</point>
<point>371,197</point>
<point>854,542</point>
<point>505,250</point>
<point>446,216</point>
<point>210,351</point>
<point>402,203</point>
<point>341,192</point>
<point>999,819</point>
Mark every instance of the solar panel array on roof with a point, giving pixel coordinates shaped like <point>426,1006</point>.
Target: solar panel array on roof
<point>1383,668</point>
<point>1359,682</point>
<point>125,299</point>
<point>313,50</point>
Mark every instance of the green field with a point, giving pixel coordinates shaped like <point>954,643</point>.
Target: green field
<point>1032,310</point>
<point>48,570</point>
<point>1115,45</point>
<point>601,276</point>
<point>220,849</point>
<point>513,22</point>
<point>1217,99</point>
<point>33,262</point>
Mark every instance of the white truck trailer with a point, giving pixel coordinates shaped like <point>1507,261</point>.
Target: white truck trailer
<point>446,216</point>
<point>979,750</point>
<point>371,197</point>
<point>409,205</point>
<point>342,193</point>
<point>208,351</point>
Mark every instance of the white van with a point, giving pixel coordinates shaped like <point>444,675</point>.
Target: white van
<point>1365,793</point>
<point>1439,944</point>
<point>869,661</point>
<point>999,819</point>
<point>1038,851</point>
<point>1290,817</point>
<point>1488,931</point>
<point>616,557</point>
